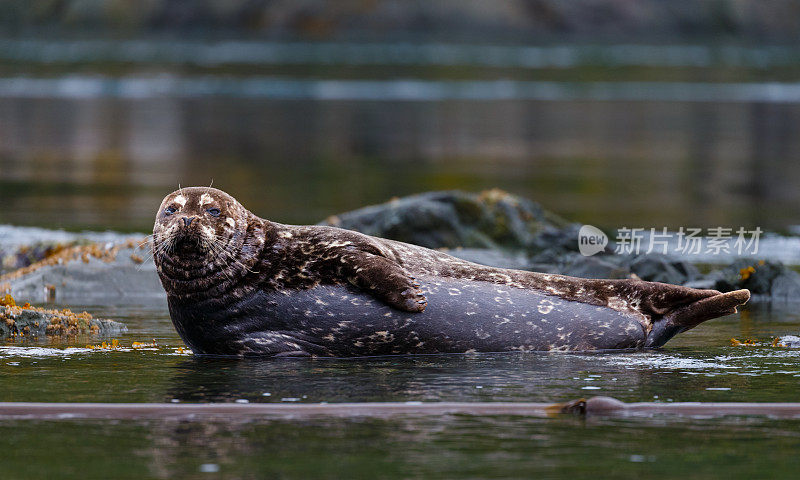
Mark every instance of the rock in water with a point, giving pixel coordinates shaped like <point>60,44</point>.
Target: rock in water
<point>768,279</point>
<point>95,273</point>
<point>451,219</point>
<point>21,247</point>
<point>32,322</point>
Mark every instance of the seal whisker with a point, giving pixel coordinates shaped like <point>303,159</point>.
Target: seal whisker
<point>217,243</point>
<point>147,241</point>
<point>230,257</point>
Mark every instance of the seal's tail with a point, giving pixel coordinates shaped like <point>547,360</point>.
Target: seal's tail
<point>711,304</point>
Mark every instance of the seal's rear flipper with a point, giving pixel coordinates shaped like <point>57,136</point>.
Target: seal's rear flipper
<point>689,316</point>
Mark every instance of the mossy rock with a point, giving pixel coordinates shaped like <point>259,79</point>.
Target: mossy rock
<point>453,219</point>
<point>32,322</point>
<point>772,279</point>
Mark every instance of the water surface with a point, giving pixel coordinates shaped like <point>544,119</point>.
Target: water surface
<point>99,152</point>
<point>697,366</point>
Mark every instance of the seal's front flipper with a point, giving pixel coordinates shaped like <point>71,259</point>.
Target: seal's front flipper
<point>385,280</point>
<point>713,304</point>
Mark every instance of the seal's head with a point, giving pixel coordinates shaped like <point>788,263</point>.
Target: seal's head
<point>203,239</point>
<point>196,222</point>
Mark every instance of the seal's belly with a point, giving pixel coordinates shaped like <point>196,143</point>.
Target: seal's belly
<point>462,316</point>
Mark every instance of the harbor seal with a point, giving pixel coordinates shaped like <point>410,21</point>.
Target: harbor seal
<point>240,285</point>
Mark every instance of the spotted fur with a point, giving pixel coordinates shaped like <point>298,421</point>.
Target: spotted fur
<point>228,273</point>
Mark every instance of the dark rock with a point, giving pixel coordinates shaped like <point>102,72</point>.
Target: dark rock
<point>577,265</point>
<point>708,281</point>
<point>656,267</point>
<point>452,219</point>
<point>650,267</point>
<point>492,258</point>
<point>559,239</point>
<point>593,267</point>
<point>563,239</point>
<point>772,279</point>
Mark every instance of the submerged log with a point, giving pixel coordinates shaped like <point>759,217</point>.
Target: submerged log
<point>596,406</point>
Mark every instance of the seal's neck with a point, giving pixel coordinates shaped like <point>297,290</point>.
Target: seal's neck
<point>222,270</point>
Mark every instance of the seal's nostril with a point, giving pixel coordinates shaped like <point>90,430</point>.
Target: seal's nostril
<point>187,220</point>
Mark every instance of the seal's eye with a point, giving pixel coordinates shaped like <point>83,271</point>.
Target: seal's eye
<point>169,210</point>
<point>214,212</point>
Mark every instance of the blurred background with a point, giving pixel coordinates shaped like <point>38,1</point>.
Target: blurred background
<point>616,113</point>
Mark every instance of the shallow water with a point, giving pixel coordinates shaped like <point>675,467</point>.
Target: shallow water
<point>447,447</point>
<point>697,366</point>
<point>692,367</point>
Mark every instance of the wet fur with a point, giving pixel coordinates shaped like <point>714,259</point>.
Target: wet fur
<point>238,284</point>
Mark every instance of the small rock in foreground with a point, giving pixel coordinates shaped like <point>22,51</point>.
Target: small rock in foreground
<point>31,322</point>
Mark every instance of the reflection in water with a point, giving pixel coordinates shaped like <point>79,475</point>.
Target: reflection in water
<point>106,162</point>
<point>411,447</point>
<point>458,447</point>
<point>495,377</point>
